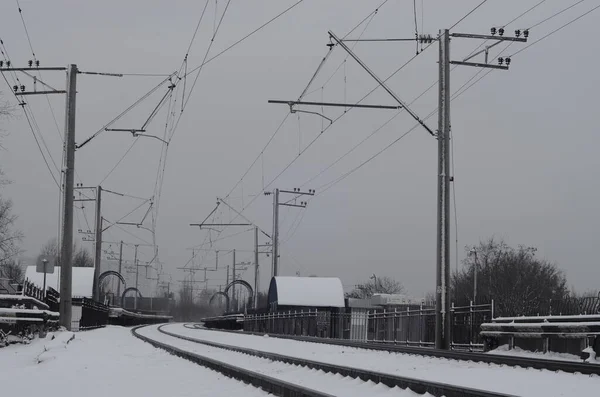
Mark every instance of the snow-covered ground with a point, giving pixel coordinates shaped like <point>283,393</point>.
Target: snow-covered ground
<point>518,352</point>
<point>499,378</point>
<point>336,385</point>
<point>107,362</point>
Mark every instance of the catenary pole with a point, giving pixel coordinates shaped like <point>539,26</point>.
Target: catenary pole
<point>442,323</point>
<point>66,271</point>
<point>98,247</point>
<point>256,273</point>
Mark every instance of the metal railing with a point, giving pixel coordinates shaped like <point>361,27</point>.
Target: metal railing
<point>410,326</point>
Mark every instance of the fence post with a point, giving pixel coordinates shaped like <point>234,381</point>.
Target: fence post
<point>472,325</point>
<point>452,325</point>
<point>421,324</point>
<point>395,325</point>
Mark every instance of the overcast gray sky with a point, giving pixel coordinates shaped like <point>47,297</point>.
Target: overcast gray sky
<point>525,140</point>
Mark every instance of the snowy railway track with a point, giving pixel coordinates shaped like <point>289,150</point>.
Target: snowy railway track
<point>355,377</point>
<point>499,359</point>
<point>269,384</point>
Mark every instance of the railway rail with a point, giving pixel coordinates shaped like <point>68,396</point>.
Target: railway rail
<point>419,386</point>
<point>513,361</point>
<point>269,384</point>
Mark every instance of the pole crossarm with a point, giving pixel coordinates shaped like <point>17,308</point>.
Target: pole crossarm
<point>480,65</point>
<point>40,92</point>
<point>132,130</point>
<point>334,104</point>
<point>33,69</point>
<point>381,82</point>
<point>220,224</point>
<point>489,37</point>
<point>292,205</point>
<point>298,192</point>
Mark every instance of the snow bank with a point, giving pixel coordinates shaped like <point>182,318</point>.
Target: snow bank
<point>504,350</point>
<point>108,362</point>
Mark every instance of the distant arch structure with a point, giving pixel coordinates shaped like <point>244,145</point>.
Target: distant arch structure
<point>127,290</point>
<point>219,293</point>
<point>243,283</point>
<point>111,273</point>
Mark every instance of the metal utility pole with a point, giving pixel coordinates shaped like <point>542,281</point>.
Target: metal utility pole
<point>256,272</point>
<point>137,273</point>
<point>232,280</point>
<point>120,264</point>
<point>276,204</point>
<point>475,265</point>
<point>443,326</point>
<point>66,263</point>
<point>442,302</point>
<point>274,268</point>
<point>98,246</point>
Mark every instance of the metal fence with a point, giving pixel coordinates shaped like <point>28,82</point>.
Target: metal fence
<point>410,326</point>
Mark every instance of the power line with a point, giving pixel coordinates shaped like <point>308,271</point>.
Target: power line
<point>556,14</point>
<point>556,30</point>
<point>119,162</point>
<point>457,94</point>
<point>429,88</point>
<point>212,40</point>
<point>245,37</point>
<point>469,13</point>
<point>525,12</point>
<point>196,31</point>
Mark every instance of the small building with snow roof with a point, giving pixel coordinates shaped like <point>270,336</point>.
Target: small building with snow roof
<point>298,293</point>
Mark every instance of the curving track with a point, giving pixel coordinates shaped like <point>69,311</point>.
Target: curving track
<point>466,374</point>
<point>499,359</point>
<point>319,377</point>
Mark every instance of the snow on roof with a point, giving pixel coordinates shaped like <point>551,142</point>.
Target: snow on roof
<point>307,291</point>
<point>83,279</point>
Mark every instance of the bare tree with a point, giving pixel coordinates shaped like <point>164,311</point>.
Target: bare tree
<point>82,258</point>
<point>12,271</point>
<point>379,285</point>
<point>50,251</point>
<point>9,235</point>
<point>515,278</point>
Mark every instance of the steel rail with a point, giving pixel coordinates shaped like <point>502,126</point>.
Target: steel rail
<point>416,385</point>
<point>269,384</point>
<point>512,361</point>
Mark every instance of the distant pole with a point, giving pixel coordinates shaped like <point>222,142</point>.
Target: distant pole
<point>45,262</point>
<point>256,267</point>
<point>475,264</point>
<point>226,284</point>
<point>137,273</point>
<point>275,269</point>
<point>98,248</point>
<point>120,264</point>
<point>442,304</point>
<point>217,259</point>
<point>66,264</point>
<point>232,280</point>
